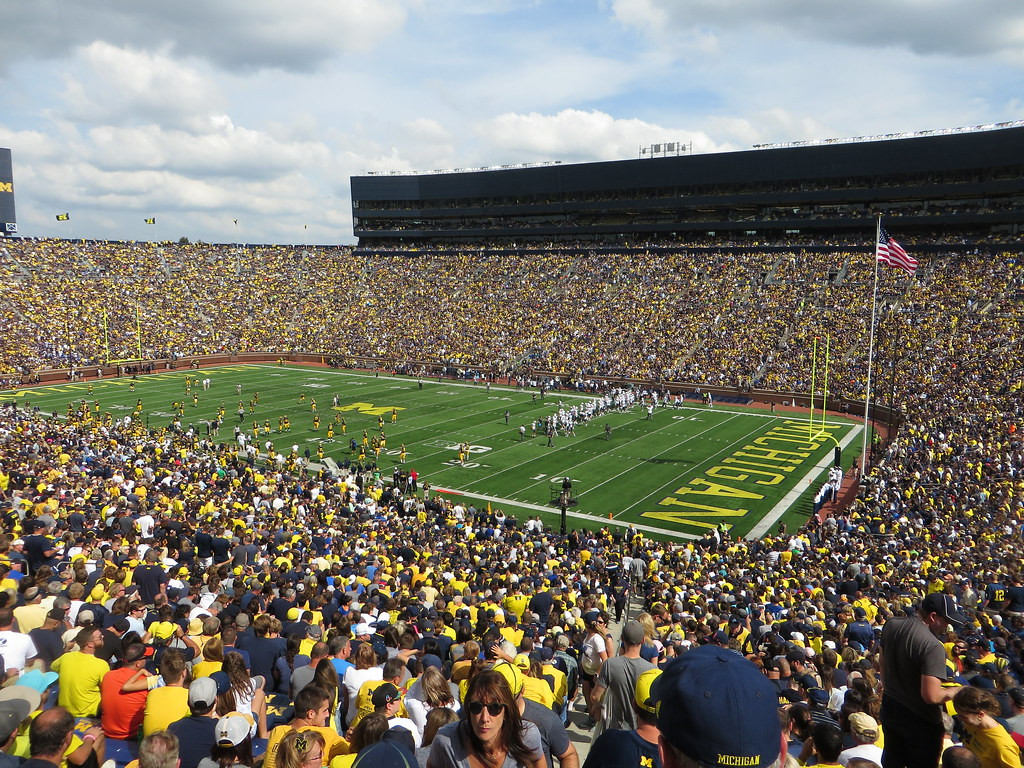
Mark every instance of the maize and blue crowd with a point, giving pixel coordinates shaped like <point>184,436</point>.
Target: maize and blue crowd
<point>172,599</point>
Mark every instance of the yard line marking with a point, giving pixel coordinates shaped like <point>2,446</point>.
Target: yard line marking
<point>567,447</point>
<point>696,466</point>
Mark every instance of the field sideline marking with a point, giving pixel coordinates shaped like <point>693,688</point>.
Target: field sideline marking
<point>790,498</point>
<point>597,521</point>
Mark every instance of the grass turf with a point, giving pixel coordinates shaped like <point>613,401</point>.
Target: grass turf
<point>676,475</point>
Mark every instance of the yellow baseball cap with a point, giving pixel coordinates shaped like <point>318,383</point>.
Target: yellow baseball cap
<point>642,693</point>
<point>162,630</point>
<point>513,676</point>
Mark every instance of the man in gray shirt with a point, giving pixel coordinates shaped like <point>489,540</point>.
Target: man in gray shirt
<point>616,682</point>
<point>303,676</point>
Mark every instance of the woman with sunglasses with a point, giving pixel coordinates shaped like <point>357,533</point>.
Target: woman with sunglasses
<point>492,734</point>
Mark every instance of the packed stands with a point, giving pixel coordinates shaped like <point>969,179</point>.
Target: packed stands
<point>940,509</point>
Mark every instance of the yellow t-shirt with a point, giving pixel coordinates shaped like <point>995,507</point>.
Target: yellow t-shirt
<point>334,744</point>
<point>539,691</point>
<point>205,668</point>
<point>994,746</point>
<point>164,706</point>
<point>80,676</point>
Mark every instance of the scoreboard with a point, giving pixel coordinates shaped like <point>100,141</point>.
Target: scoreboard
<point>8,222</point>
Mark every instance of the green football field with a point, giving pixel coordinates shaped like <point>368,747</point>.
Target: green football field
<point>676,475</point>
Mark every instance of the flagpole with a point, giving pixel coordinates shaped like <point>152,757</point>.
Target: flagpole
<point>871,356</point>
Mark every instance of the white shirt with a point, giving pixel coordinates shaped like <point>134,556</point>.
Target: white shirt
<point>16,649</point>
<point>870,752</point>
<point>409,725</point>
<point>354,679</point>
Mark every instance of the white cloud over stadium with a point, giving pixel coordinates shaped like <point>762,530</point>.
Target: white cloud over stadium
<point>199,114</point>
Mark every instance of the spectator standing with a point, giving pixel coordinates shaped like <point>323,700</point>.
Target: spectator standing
<point>493,734</point>
<point>637,747</point>
<point>913,670</point>
<point>615,689</point>
<point>597,647</point>
<point>553,736</point>
<point>150,577</point>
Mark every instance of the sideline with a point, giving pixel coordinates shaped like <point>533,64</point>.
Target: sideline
<point>598,521</point>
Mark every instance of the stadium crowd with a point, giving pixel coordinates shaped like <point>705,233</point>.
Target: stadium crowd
<point>156,585</point>
<point>735,317</point>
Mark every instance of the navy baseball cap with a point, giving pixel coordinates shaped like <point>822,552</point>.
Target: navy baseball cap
<point>946,607</point>
<point>717,708</point>
<point>386,754</point>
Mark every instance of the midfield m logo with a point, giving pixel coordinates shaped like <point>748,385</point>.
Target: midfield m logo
<point>368,408</point>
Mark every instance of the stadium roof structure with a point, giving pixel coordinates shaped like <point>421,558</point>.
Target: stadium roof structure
<point>971,182</point>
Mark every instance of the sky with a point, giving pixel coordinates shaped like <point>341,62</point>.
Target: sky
<point>231,121</point>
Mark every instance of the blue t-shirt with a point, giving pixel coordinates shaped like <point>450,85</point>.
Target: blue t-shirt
<point>622,749</point>
<point>341,667</point>
<point>196,738</point>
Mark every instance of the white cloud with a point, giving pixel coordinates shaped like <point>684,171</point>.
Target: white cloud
<point>926,27</point>
<point>237,35</point>
<point>112,85</point>
<point>573,134</point>
<point>223,150</point>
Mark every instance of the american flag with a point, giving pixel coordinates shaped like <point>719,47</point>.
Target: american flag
<point>891,253</point>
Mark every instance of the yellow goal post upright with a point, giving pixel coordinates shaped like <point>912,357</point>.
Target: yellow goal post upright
<point>138,340</point>
<point>816,430</point>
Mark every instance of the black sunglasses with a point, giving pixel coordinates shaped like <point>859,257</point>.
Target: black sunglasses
<point>493,708</point>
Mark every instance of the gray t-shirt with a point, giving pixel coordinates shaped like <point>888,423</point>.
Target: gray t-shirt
<point>1016,723</point>
<point>553,737</point>
<point>619,675</point>
<point>301,677</point>
<point>448,751</point>
<point>910,651</point>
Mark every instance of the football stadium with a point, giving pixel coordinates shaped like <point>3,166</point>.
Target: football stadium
<point>759,403</point>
